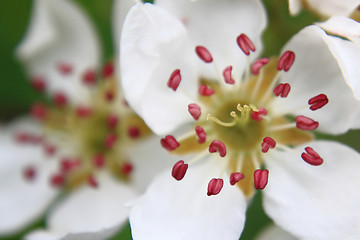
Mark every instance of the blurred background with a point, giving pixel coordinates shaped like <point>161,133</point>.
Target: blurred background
<point>16,94</point>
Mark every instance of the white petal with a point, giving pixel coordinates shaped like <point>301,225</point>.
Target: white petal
<point>16,213</point>
<point>153,45</point>
<point>315,71</point>
<point>315,202</point>
<point>182,210</point>
<point>91,213</point>
<point>274,232</point>
<point>55,38</point>
<point>333,7</point>
<point>295,6</point>
<point>216,24</point>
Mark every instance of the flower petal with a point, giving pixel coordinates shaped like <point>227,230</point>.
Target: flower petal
<point>315,202</point>
<point>59,48</point>
<point>15,157</point>
<point>333,7</point>
<point>182,210</point>
<point>295,6</point>
<point>315,71</point>
<point>208,27</point>
<point>93,213</point>
<point>273,232</point>
<point>153,45</point>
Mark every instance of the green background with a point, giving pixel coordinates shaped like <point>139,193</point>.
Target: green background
<point>16,95</point>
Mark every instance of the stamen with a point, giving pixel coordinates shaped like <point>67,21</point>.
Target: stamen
<point>92,181</point>
<point>267,143</point>
<point>217,146</point>
<point>311,157</point>
<point>49,149</point>
<point>282,90</point>
<point>194,110</point>
<point>247,108</point>
<point>200,134</point>
<point>205,91</point>
<point>305,123</point>
<point>98,161</point>
<point>179,170</point>
<point>235,177</point>
<point>259,115</point>
<point>89,77</point>
<point>169,143</point>
<point>286,61</point>
<point>318,101</point>
<point>214,187</point>
<point>133,132</point>
<point>38,83</point>
<point>227,75</point>
<point>38,111</point>
<point>67,164</point>
<point>108,70</point>
<point>245,44</point>
<point>57,180</point>
<point>112,121</point>
<point>30,173</point>
<point>174,80</point>
<point>83,111</point>
<point>64,68</point>
<point>203,54</point>
<point>60,99</point>
<point>216,120</point>
<point>109,95</point>
<point>261,178</point>
<point>127,168</point>
<point>110,140</point>
<point>258,64</point>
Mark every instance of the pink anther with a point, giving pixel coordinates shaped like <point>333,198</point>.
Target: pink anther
<point>38,83</point>
<point>258,64</point>
<point>286,61</point>
<point>194,110</point>
<point>261,178</point>
<point>305,123</point>
<point>92,181</point>
<point>57,180</point>
<point>311,157</point>
<point>110,140</point>
<point>108,70</point>
<point>245,44</point>
<point>267,143</point>
<point>30,173</point>
<point>214,187</point>
<point>68,164</point>
<point>60,99</point>
<point>83,111</point>
<point>203,54</point>
<point>235,177</point>
<point>64,68</point>
<point>112,121</point>
<point>109,95</point>
<point>49,149</point>
<point>258,116</point>
<point>98,161</point>
<point>89,77</point>
<point>133,132</point>
<point>217,146</point>
<point>205,91</point>
<point>127,168</point>
<point>169,143</point>
<point>200,133</point>
<point>227,75</point>
<point>179,170</point>
<point>282,90</point>
<point>174,80</point>
<point>38,111</point>
<point>318,101</point>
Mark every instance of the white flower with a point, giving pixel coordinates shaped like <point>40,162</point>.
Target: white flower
<point>87,150</point>
<point>274,232</point>
<point>326,8</point>
<point>240,125</point>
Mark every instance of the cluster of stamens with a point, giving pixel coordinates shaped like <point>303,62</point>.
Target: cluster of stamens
<point>250,118</point>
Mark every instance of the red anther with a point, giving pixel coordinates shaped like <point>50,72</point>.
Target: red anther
<point>258,116</point>
<point>235,177</point>
<point>318,101</point>
<point>203,54</point>
<point>109,95</point>
<point>312,157</point>
<point>261,178</point>
<point>110,140</point>
<point>30,173</point>
<point>64,68</point>
<point>267,143</point>
<point>179,170</point>
<point>217,146</point>
<point>67,164</point>
<point>245,44</point>
<point>22,137</point>
<point>127,168</point>
<point>205,91</point>
<point>60,99</point>
<point>112,121</point>
<point>305,123</point>
<point>92,181</point>
<point>57,180</point>
<point>200,134</point>
<point>227,75</point>
<point>258,64</point>
<point>108,70</point>
<point>214,187</point>
<point>133,132</point>
<point>286,61</point>
<point>98,161</point>
<point>194,110</point>
<point>174,80</point>
<point>49,149</point>
<point>38,111</point>
<point>169,143</point>
<point>38,83</point>
<point>89,77</point>
<point>282,90</point>
<point>83,112</point>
